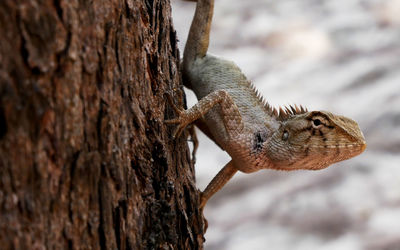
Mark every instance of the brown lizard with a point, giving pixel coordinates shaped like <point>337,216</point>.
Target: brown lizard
<point>257,136</point>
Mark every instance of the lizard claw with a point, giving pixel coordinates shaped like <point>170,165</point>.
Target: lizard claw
<point>178,131</point>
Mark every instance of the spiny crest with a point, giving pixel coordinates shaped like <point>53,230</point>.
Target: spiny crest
<point>285,112</point>
<point>282,113</point>
<point>290,110</point>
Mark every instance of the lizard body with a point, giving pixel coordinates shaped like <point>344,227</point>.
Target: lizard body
<point>253,133</point>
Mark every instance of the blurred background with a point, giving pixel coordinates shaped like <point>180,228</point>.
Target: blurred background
<point>337,55</point>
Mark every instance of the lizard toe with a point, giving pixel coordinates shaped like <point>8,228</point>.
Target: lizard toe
<point>172,121</point>
<point>171,102</point>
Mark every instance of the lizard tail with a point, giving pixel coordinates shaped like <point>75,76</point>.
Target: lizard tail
<point>199,34</point>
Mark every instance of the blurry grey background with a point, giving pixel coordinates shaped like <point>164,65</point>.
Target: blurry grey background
<point>336,55</point>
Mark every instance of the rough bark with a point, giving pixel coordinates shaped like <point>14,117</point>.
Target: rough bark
<point>86,161</point>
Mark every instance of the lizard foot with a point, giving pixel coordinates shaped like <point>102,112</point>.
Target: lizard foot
<point>181,120</point>
<point>203,202</point>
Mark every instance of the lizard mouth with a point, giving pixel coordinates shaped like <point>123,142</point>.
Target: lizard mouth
<point>351,150</point>
<point>360,146</point>
<point>363,146</point>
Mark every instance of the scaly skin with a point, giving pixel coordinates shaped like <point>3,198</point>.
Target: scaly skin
<point>254,134</point>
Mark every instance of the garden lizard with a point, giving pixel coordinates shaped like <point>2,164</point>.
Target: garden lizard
<point>256,136</point>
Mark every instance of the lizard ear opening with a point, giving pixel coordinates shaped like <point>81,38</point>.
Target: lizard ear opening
<point>285,135</point>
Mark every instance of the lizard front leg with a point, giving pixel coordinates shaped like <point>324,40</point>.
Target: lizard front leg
<point>233,124</point>
<point>229,112</point>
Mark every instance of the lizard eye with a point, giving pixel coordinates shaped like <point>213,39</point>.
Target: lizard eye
<point>285,135</point>
<point>317,123</point>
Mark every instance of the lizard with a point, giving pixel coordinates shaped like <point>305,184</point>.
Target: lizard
<point>255,135</point>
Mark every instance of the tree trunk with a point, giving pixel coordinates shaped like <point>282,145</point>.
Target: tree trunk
<point>86,161</point>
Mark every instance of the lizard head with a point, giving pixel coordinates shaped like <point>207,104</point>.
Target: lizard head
<point>314,140</point>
